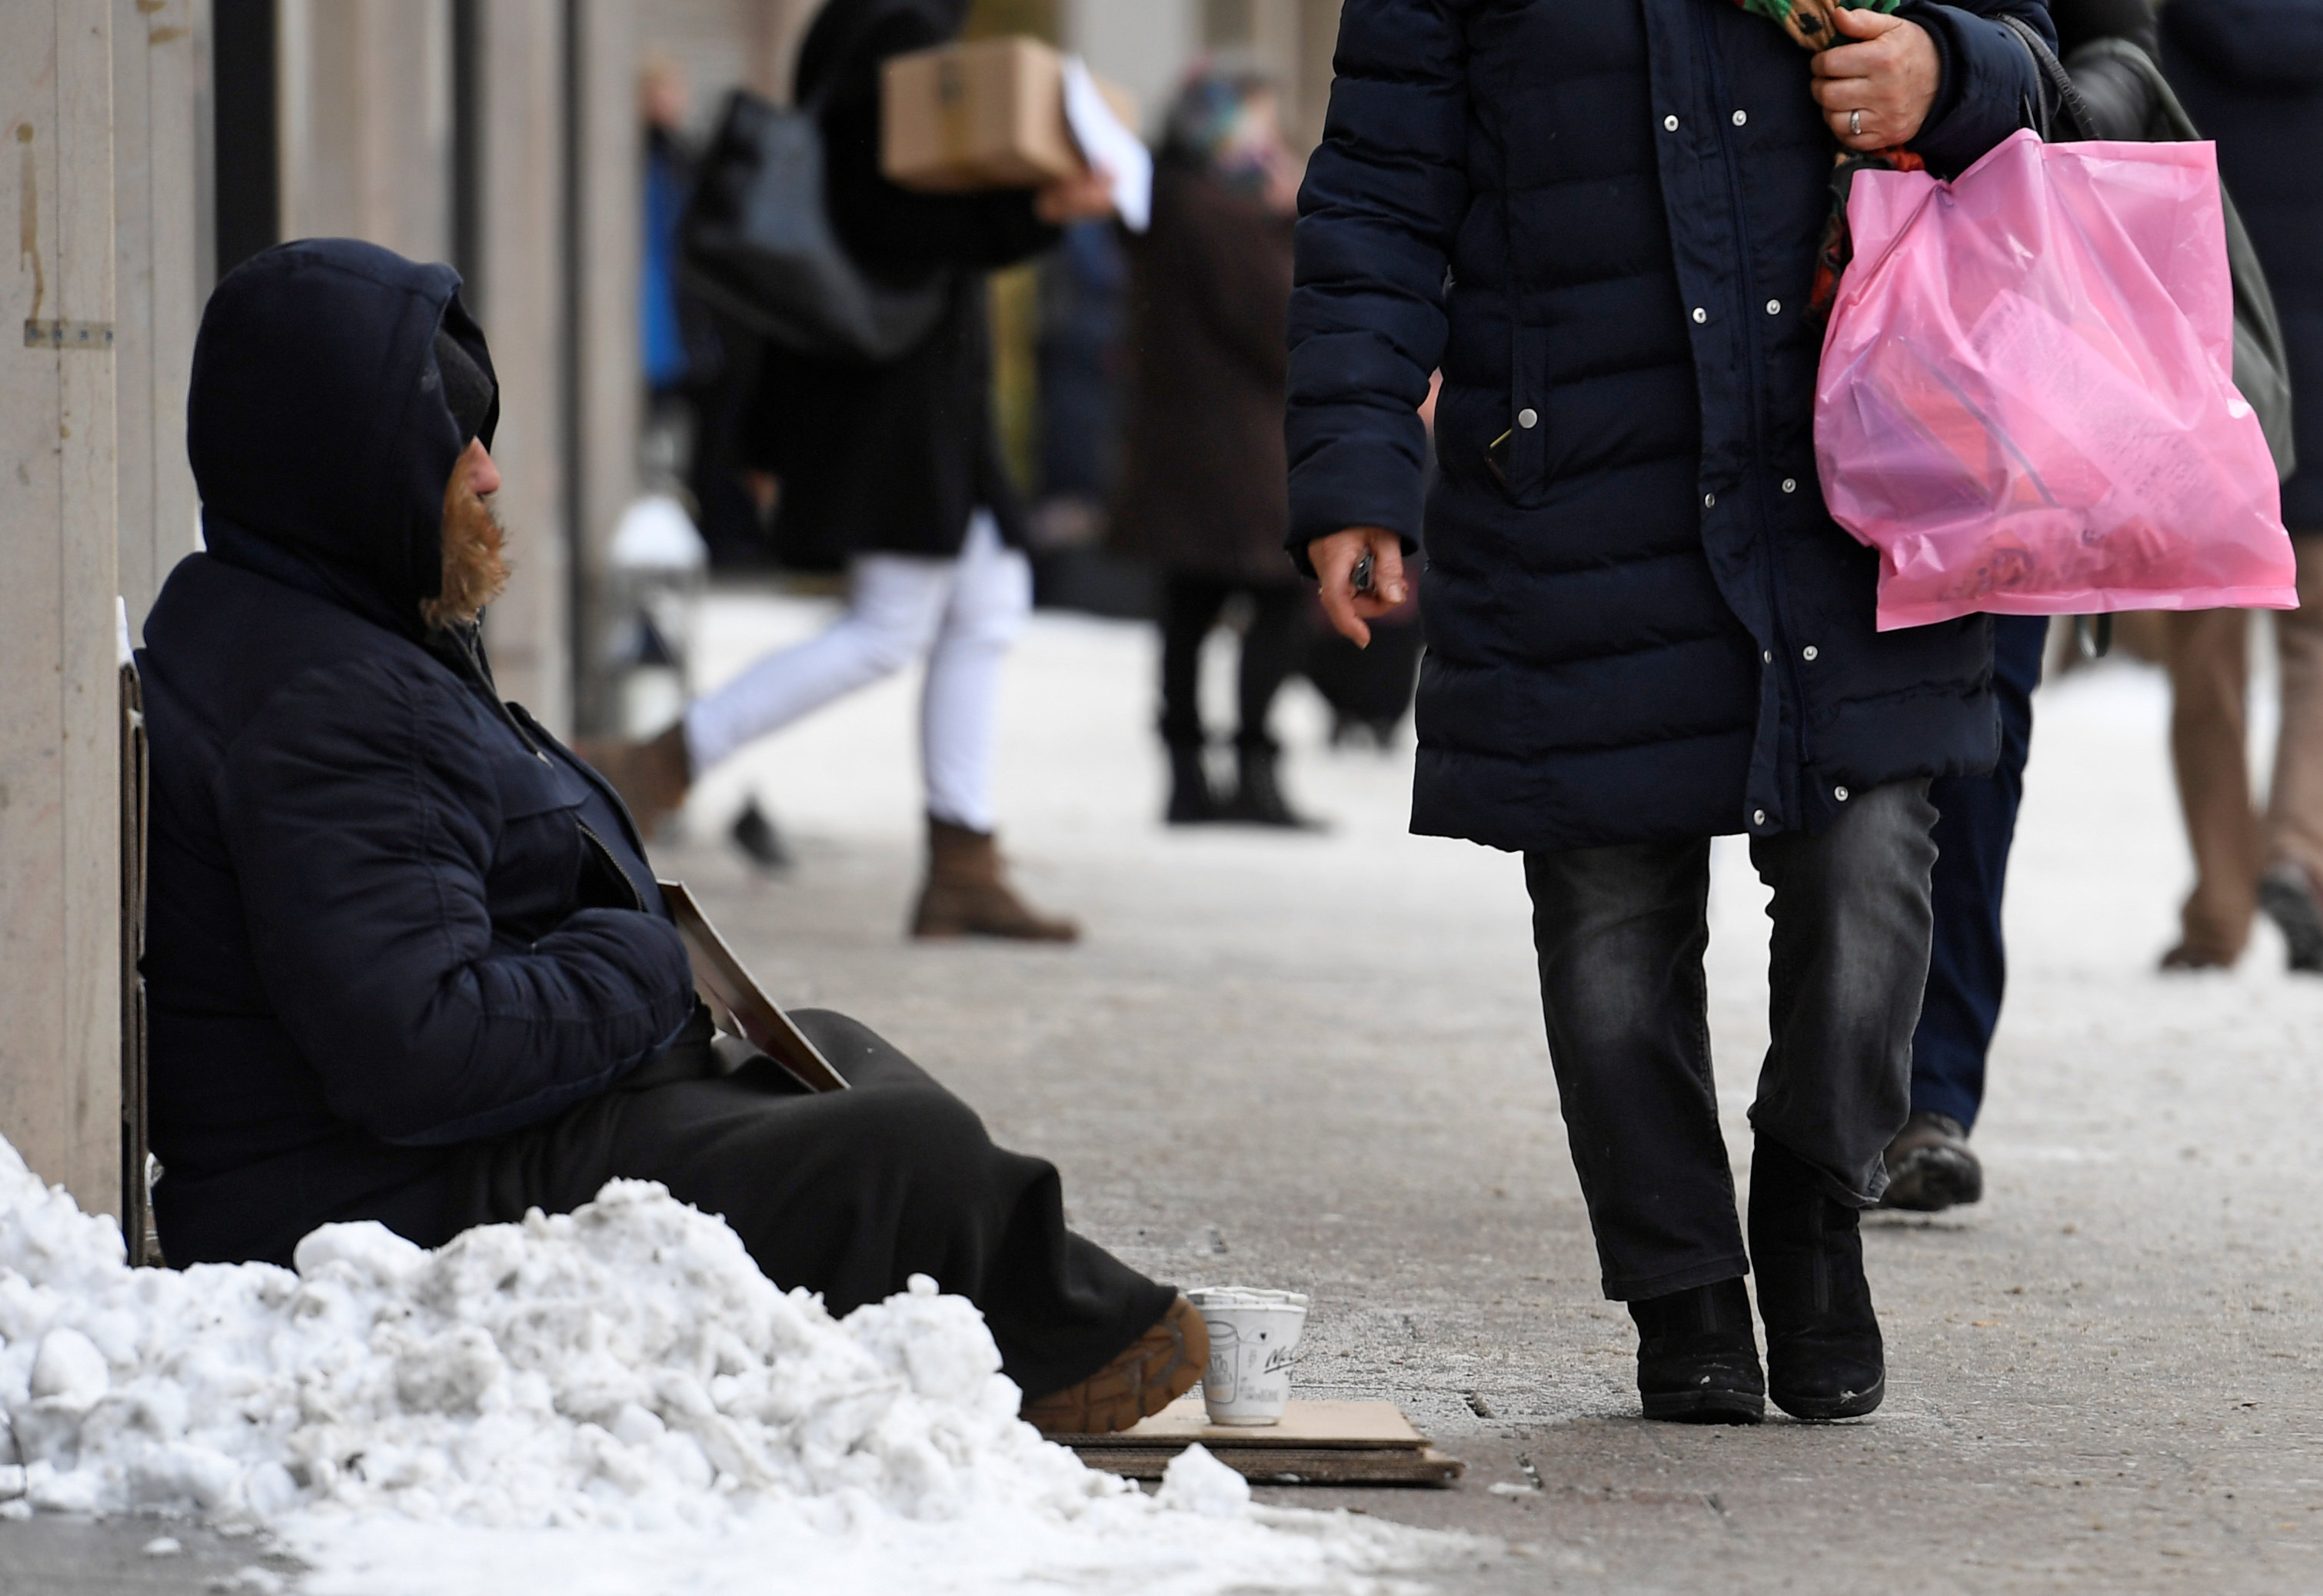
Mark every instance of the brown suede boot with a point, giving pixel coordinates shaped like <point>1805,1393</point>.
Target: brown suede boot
<point>1149,1374</point>
<point>651,777</point>
<point>966,895</point>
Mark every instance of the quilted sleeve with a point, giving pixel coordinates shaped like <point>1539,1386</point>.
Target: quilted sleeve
<point>1383,197</point>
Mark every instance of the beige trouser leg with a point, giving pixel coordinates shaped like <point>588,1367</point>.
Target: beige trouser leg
<point>2294,816</point>
<point>2210,672</point>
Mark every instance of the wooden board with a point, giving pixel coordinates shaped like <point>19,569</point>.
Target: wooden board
<point>1316,1444</point>
<point>1362,1426</point>
<point>1290,1465</point>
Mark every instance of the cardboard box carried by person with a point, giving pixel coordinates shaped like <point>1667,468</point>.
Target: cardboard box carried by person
<point>988,114</point>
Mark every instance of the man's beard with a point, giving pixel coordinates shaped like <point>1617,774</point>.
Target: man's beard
<point>474,568</point>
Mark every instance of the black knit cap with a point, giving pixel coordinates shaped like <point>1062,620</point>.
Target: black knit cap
<point>467,391</point>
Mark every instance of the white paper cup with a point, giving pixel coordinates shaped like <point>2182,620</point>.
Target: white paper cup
<point>1253,1339</point>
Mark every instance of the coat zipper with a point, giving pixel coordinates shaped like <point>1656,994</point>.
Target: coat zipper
<point>635,897</point>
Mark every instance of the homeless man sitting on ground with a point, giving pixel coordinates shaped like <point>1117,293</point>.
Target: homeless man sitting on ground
<point>405,959</point>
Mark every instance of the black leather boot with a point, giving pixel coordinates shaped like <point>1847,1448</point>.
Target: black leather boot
<point>1258,798</point>
<point>1193,801</point>
<point>1697,1359</point>
<point>1824,1357</point>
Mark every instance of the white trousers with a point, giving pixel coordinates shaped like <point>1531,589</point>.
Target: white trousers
<point>960,615</point>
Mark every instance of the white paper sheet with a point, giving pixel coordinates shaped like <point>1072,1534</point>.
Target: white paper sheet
<point>1106,143</point>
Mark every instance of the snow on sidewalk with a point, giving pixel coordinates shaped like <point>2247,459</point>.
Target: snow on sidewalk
<point>610,1401</point>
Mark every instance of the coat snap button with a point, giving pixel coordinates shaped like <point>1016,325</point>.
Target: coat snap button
<point>1527,417</point>
<point>1790,484</point>
<point>1774,308</point>
<point>1669,123</point>
<point>1700,316</point>
<point>1840,794</point>
<point>1808,652</point>
<point>1708,500</point>
<point>1758,817</point>
<point>1768,658</point>
<point>1741,117</point>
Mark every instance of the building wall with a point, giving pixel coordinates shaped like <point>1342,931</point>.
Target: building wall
<point>59,714</point>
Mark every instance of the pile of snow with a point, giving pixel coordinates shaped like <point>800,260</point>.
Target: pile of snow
<point>615,1399</point>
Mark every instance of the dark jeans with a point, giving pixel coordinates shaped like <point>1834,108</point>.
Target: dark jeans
<point>1968,965</point>
<point>1270,652</point>
<point>1621,932</point>
<point>845,1193</point>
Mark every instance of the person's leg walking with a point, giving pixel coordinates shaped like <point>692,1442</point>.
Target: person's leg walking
<point>1929,1164</point>
<point>1189,608</point>
<point>959,704</point>
<point>966,893</point>
<point>1846,968</point>
<point>1271,648</point>
<point>2293,887</point>
<point>1620,933</point>
<point>2210,676</point>
<point>894,605</point>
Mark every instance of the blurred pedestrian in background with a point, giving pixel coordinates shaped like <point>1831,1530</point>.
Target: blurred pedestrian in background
<point>896,468</point>
<point>1202,496</point>
<point>2251,75</point>
<point>690,376</point>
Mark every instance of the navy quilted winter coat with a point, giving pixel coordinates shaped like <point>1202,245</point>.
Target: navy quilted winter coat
<point>1601,221</point>
<point>387,914</point>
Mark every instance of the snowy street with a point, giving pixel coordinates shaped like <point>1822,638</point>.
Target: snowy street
<point>1316,1063</point>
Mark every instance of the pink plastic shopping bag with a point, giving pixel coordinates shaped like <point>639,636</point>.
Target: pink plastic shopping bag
<point>2025,402</point>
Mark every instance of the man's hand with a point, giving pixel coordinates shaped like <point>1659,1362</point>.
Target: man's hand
<point>1876,93</point>
<point>1087,194</point>
<point>1334,558</point>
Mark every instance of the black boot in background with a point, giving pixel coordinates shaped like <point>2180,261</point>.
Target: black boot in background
<point>1258,798</point>
<point>1192,802</point>
<point>1697,1359</point>
<point>1824,1357</point>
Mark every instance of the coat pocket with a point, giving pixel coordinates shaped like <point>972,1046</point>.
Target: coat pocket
<point>1519,454</point>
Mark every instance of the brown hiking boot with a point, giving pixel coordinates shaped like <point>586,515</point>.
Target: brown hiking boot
<point>965,895</point>
<point>1149,1374</point>
<point>652,776</point>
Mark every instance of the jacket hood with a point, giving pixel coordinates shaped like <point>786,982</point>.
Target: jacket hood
<point>317,421</point>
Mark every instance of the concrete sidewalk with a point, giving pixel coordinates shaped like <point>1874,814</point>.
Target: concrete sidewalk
<point>1317,1063</point>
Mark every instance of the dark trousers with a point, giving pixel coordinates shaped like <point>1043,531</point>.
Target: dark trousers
<point>1968,965</point>
<point>1620,933</point>
<point>1270,652</point>
<point>845,1193</point>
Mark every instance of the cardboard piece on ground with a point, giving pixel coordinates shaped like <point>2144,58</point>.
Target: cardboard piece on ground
<point>985,113</point>
<point>1316,1444</point>
<point>737,1000</point>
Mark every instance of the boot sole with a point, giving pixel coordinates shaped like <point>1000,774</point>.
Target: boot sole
<point>1824,1409</point>
<point>1703,1406</point>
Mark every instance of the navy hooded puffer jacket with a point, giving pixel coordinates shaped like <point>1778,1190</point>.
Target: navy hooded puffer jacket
<point>387,914</point>
<point>1601,222</point>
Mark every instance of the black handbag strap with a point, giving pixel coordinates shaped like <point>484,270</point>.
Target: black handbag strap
<point>2060,82</point>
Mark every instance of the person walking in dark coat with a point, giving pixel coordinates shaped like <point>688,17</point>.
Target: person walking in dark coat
<point>2250,73</point>
<point>1202,498</point>
<point>895,469</point>
<point>406,957</point>
<point>1644,628</point>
